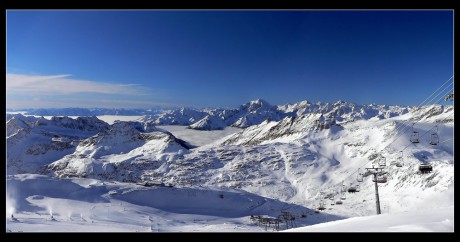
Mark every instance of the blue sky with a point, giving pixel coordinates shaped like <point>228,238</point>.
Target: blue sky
<point>139,59</point>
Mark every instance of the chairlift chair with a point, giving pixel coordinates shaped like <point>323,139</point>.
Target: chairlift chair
<point>322,205</point>
<point>435,137</point>
<point>414,136</point>
<point>382,162</point>
<point>380,179</point>
<point>399,160</point>
<point>425,168</point>
<point>343,197</point>
<point>344,188</point>
<point>352,189</point>
<point>331,197</point>
<point>360,177</point>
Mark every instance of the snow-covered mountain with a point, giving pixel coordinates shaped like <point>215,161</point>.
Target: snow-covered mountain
<point>248,114</point>
<point>209,123</point>
<point>257,111</point>
<point>305,157</point>
<point>122,153</point>
<point>344,111</point>
<point>34,142</point>
<point>294,159</point>
<point>251,113</point>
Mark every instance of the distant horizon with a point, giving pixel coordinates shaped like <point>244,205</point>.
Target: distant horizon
<point>193,107</point>
<point>197,58</point>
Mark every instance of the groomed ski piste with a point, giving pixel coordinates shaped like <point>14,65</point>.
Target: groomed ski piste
<point>89,175</point>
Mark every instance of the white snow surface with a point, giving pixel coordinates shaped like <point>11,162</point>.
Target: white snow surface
<point>435,214</point>
<point>429,220</point>
<point>198,137</point>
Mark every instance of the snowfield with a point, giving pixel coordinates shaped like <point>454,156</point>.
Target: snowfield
<point>92,205</point>
<point>198,137</point>
<point>430,220</point>
<point>128,175</point>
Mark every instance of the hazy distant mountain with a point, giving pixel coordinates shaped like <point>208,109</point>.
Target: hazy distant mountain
<point>92,111</point>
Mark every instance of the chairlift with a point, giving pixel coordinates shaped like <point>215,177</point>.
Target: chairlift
<point>399,160</point>
<point>380,178</point>
<point>343,197</point>
<point>353,189</point>
<point>332,201</point>
<point>331,197</point>
<point>322,205</point>
<point>382,162</point>
<point>344,188</point>
<point>414,136</point>
<point>339,202</point>
<point>435,137</point>
<point>425,168</point>
<point>360,176</point>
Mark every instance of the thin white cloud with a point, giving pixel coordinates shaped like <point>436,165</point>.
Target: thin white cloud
<point>85,103</point>
<point>62,84</point>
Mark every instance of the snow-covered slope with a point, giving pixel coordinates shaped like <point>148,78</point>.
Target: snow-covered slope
<point>429,220</point>
<point>435,214</point>
<point>110,154</point>
<point>40,203</point>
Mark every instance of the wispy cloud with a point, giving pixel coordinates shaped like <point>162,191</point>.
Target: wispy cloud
<point>63,84</point>
<point>40,91</point>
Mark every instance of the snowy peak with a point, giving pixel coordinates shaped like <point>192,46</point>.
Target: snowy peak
<point>120,137</point>
<point>81,123</point>
<point>182,116</point>
<point>14,125</point>
<point>344,111</point>
<point>253,113</point>
<point>209,123</point>
<point>255,105</point>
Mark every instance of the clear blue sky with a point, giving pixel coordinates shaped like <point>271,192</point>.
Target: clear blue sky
<point>225,58</point>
